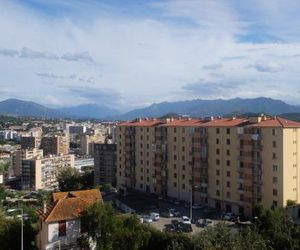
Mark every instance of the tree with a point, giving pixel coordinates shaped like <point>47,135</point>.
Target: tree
<point>277,228</point>
<point>69,179</point>
<point>10,234</point>
<point>111,231</point>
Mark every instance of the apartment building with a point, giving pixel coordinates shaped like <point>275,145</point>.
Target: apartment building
<point>29,142</point>
<point>24,154</point>
<point>41,173</point>
<point>54,145</point>
<point>105,163</point>
<point>230,164</point>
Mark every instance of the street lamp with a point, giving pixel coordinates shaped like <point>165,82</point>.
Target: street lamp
<point>18,209</point>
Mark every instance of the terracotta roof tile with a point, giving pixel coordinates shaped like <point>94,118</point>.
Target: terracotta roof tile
<point>141,123</point>
<point>182,123</point>
<point>277,122</point>
<point>225,122</point>
<point>69,205</point>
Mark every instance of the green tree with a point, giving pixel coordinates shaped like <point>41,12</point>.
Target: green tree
<point>69,179</point>
<point>10,234</point>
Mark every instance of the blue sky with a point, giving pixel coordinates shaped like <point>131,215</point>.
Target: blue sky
<point>131,53</point>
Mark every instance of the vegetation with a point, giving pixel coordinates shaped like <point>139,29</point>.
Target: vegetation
<point>272,230</point>
<point>70,179</point>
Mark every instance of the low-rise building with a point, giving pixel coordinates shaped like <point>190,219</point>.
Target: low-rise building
<point>84,164</point>
<point>60,224</point>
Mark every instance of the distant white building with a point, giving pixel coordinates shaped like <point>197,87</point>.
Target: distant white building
<point>84,164</point>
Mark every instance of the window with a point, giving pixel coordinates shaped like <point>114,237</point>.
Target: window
<point>228,195</point>
<point>175,139</point>
<point>183,130</point>
<point>274,156</point>
<point>62,228</point>
<point>141,178</point>
<point>228,152</point>
<point>141,186</point>
<point>142,137</point>
<point>228,131</point>
<point>228,173</point>
<point>217,151</point>
<point>218,131</point>
<point>217,182</point>
<point>183,177</point>
<point>183,139</point>
<point>174,166</point>
<point>228,184</point>
<point>275,180</point>
<point>148,146</point>
<point>228,163</point>
<point>142,162</point>
<point>228,141</point>
<point>183,186</point>
<point>147,179</point>
<point>275,192</point>
<point>218,192</point>
<point>147,171</point>
<point>183,148</point>
<point>275,203</point>
<point>217,161</point>
<point>141,170</point>
<point>275,168</point>
<point>175,175</point>
<point>174,130</point>
<point>175,184</point>
<point>273,131</point>
<point>175,157</point>
<point>274,144</point>
<point>183,158</point>
<point>217,172</point>
<point>148,130</point>
<point>217,141</point>
<point>183,167</point>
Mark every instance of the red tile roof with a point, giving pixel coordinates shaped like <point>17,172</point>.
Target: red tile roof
<point>141,123</point>
<point>183,123</point>
<point>277,122</point>
<point>225,122</point>
<point>70,205</point>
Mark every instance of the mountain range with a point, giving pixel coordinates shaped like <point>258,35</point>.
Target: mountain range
<point>193,108</point>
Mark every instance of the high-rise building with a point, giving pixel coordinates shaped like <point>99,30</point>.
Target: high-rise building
<point>29,142</point>
<point>105,163</point>
<point>41,173</point>
<point>230,164</point>
<point>24,154</point>
<point>54,145</point>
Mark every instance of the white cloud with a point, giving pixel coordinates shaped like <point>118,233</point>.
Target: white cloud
<point>144,58</point>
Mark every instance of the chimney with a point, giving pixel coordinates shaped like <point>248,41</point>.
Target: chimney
<point>45,207</point>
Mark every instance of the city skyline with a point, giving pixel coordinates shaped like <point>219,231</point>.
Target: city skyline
<point>130,54</point>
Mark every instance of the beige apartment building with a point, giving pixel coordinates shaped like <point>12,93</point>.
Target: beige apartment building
<point>24,154</point>
<point>54,145</point>
<point>41,173</point>
<point>230,164</point>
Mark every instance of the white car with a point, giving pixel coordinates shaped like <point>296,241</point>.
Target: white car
<point>147,219</point>
<point>185,220</point>
<point>154,216</point>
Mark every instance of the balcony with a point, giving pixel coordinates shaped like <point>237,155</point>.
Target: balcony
<point>241,190</point>
<point>240,169</point>
<point>257,160</point>
<point>203,195</point>
<point>257,147</point>
<point>241,179</point>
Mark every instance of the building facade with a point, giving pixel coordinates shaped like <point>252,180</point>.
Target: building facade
<point>230,164</point>
<point>105,163</point>
<point>41,173</point>
<point>54,145</point>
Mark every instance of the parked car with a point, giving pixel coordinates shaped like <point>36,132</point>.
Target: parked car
<point>204,222</point>
<point>186,228</point>
<point>154,216</point>
<point>147,219</point>
<point>185,220</point>
<point>175,212</point>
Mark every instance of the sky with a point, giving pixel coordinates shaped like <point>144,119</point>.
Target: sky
<point>128,54</point>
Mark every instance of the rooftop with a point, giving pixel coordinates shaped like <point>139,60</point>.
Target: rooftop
<point>69,205</point>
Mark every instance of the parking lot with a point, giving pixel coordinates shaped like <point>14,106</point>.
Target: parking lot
<point>145,205</point>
